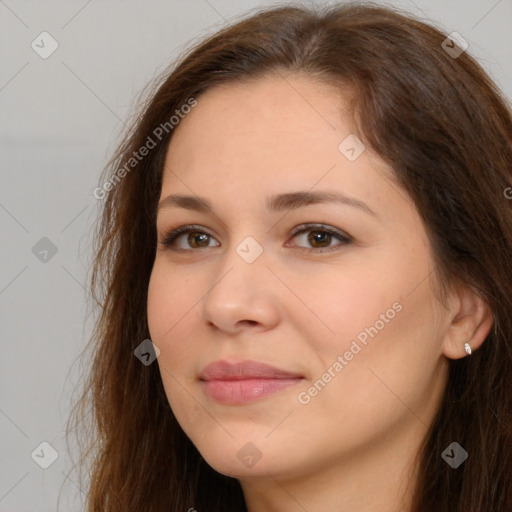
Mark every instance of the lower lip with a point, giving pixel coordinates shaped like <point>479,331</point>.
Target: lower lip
<point>243,391</point>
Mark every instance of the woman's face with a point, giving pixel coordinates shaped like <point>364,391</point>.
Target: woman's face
<point>344,306</point>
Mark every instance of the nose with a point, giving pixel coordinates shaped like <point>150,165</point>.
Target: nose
<point>242,296</point>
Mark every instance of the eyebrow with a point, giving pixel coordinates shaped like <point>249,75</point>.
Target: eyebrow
<point>276,203</point>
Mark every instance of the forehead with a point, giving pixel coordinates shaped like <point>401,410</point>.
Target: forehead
<point>269,104</point>
<point>282,132</point>
<point>272,120</point>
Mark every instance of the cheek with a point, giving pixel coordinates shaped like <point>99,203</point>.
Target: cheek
<point>170,310</point>
<point>377,384</point>
<point>169,299</point>
<point>347,304</point>
<point>393,352</point>
<point>382,319</point>
<point>158,303</point>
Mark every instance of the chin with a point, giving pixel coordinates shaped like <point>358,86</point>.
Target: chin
<point>246,459</point>
<point>236,469</point>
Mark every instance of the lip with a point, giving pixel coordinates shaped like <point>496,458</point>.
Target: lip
<point>246,381</point>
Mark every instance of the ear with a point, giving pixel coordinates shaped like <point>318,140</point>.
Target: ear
<point>471,322</point>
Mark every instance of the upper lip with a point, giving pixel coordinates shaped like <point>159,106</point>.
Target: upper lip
<point>224,370</point>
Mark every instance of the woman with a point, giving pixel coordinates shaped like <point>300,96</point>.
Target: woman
<point>304,271</point>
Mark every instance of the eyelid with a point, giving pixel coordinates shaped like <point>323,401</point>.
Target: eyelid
<point>344,238</point>
<point>171,236</point>
<point>311,226</point>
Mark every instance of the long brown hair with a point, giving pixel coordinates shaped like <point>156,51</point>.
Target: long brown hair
<point>445,129</point>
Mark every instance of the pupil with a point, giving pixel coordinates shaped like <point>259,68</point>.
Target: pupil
<point>194,237</point>
<point>320,237</point>
<point>314,237</point>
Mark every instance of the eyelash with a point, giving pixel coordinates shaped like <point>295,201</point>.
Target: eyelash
<point>173,235</point>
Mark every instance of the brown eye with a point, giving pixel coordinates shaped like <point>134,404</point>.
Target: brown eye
<point>196,239</point>
<point>320,238</point>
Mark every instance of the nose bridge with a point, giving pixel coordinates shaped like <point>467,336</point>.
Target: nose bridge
<point>243,267</point>
<point>240,291</point>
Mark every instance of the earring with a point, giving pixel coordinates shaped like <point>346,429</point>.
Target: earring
<point>467,348</point>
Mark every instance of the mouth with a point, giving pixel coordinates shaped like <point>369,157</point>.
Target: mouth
<point>247,381</point>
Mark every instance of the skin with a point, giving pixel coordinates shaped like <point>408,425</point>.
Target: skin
<point>352,446</point>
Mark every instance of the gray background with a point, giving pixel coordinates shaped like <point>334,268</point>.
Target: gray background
<point>61,118</point>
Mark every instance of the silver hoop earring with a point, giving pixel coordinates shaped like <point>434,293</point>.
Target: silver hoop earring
<point>467,348</point>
